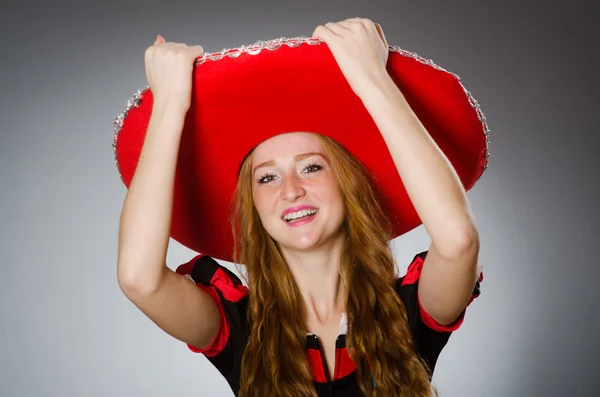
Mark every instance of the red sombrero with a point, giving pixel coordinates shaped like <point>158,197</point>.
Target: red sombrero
<point>243,96</point>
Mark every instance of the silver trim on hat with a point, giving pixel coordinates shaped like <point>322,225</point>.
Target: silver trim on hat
<point>256,48</point>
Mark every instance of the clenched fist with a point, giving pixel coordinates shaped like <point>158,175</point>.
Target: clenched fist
<point>169,70</point>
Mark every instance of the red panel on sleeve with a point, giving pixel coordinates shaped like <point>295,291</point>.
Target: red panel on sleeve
<point>231,291</point>
<point>434,325</point>
<point>218,343</point>
<point>413,274</point>
<point>186,268</point>
<point>431,323</point>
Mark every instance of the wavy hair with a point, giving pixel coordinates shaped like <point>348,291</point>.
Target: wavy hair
<point>274,361</point>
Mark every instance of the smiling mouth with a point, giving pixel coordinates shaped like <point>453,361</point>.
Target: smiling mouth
<point>308,215</point>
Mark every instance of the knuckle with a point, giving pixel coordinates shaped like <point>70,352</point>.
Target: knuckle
<point>181,55</point>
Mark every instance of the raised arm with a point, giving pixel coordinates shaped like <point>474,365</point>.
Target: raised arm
<point>174,303</point>
<point>450,269</point>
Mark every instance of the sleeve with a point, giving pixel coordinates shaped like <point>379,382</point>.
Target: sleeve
<point>429,336</point>
<point>231,297</point>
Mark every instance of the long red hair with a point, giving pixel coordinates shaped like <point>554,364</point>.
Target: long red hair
<point>379,339</point>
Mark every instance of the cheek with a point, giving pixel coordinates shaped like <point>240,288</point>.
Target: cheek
<point>257,199</point>
<point>331,190</point>
<point>262,201</point>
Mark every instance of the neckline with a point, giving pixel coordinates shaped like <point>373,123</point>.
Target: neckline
<point>343,326</point>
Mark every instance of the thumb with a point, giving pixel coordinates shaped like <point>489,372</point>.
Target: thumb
<point>380,31</point>
<point>159,40</point>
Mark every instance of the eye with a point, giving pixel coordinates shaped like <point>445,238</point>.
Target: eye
<point>313,168</point>
<point>269,177</point>
<point>266,178</point>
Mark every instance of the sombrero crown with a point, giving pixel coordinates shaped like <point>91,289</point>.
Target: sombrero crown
<point>243,96</point>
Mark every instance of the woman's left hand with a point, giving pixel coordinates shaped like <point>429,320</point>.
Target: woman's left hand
<point>359,48</point>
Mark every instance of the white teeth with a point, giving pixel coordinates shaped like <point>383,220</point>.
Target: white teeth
<point>299,214</point>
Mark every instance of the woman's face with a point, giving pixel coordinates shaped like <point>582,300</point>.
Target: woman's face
<point>290,173</point>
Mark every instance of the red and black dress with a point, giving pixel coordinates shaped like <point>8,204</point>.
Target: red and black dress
<point>225,351</point>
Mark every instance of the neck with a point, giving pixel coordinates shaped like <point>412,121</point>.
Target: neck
<point>317,274</point>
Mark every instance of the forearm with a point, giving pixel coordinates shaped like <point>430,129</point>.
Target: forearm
<point>430,180</point>
<point>146,216</point>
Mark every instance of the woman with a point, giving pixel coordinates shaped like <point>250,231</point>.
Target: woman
<point>323,313</point>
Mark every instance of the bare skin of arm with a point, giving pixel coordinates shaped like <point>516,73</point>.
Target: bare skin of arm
<point>171,301</point>
<point>450,269</point>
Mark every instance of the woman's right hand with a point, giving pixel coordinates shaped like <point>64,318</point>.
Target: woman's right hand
<point>169,71</point>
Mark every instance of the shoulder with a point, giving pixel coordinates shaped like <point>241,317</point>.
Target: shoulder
<point>204,270</point>
<point>430,337</point>
<point>231,296</point>
<point>407,287</point>
<point>228,292</point>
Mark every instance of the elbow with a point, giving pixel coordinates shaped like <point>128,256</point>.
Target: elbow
<point>463,242</point>
<point>133,283</point>
<point>468,241</point>
<point>127,282</point>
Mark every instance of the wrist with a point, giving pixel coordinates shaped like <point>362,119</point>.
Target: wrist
<point>376,85</point>
<point>380,92</point>
<point>170,106</point>
<point>167,116</point>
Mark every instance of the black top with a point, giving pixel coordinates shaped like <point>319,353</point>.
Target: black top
<point>225,351</point>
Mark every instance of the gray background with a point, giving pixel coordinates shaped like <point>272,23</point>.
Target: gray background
<point>67,69</point>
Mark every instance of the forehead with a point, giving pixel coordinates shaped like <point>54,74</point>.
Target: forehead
<point>286,146</point>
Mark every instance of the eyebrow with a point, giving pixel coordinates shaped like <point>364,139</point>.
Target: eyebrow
<point>297,158</point>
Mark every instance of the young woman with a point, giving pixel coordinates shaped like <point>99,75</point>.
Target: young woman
<point>324,313</point>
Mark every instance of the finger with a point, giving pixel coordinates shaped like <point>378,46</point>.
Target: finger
<point>158,41</point>
<point>356,25</point>
<point>196,51</point>
<point>337,28</point>
<point>380,31</point>
<point>348,24</point>
<point>174,47</point>
<point>323,33</point>
<point>356,21</point>
<point>181,48</point>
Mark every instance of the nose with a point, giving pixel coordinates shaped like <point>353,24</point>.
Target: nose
<point>291,188</point>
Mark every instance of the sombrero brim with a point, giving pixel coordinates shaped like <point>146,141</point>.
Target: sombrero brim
<point>243,96</point>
